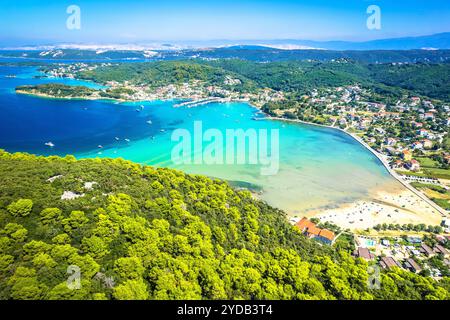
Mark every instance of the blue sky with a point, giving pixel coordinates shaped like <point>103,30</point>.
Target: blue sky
<point>117,21</point>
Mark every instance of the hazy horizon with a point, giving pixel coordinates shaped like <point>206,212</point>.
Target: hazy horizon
<point>32,22</point>
<point>177,44</point>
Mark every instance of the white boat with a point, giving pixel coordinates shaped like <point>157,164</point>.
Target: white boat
<point>117,138</point>
<point>50,144</point>
<point>100,146</point>
<point>149,122</point>
<point>127,140</point>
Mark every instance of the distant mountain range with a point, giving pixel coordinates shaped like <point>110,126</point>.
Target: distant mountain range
<point>436,41</point>
<point>430,42</point>
<point>250,53</point>
<point>427,49</point>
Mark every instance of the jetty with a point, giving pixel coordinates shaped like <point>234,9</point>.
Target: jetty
<point>196,103</point>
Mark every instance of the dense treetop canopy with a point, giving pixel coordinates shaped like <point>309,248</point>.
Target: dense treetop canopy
<point>152,233</point>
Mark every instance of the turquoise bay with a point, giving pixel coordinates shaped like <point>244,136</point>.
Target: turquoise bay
<point>319,167</point>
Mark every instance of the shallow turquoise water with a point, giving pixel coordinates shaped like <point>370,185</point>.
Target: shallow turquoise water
<point>319,167</point>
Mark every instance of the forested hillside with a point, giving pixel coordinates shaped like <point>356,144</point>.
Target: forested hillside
<point>161,73</point>
<point>427,79</point>
<point>163,234</point>
<point>292,76</point>
<point>255,53</point>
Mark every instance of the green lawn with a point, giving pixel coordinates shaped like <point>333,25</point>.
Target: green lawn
<point>428,162</point>
<point>436,193</point>
<point>410,173</point>
<point>437,173</point>
<point>443,203</point>
<point>434,187</point>
<point>428,173</point>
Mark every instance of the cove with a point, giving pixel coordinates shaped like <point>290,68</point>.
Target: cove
<point>318,168</point>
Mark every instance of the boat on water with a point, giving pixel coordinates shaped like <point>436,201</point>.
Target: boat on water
<point>149,122</point>
<point>50,144</point>
<point>100,146</point>
<point>117,138</point>
<point>162,130</point>
<point>10,76</point>
<point>127,140</point>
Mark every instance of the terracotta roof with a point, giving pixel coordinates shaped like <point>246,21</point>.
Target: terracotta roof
<point>327,234</point>
<point>314,231</point>
<point>311,229</point>
<point>304,224</point>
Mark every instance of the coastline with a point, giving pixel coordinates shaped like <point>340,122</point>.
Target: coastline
<point>383,207</point>
<point>377,155</point>
<point>46,96</point>
<point>193,103</point>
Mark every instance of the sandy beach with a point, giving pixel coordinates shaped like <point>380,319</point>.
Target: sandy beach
<point>391,207</point>
<point>397,204</point>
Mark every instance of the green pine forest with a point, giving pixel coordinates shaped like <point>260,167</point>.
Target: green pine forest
<point>426,79</point>
<point>150,233</point>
